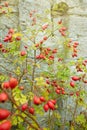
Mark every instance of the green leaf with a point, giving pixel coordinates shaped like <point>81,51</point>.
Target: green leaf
<point>80,119</point>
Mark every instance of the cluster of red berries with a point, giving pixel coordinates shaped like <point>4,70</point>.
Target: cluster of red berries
<point>50,105</point>
<point>77,78</point>
<point>30,109</point>
<point>74,78</point>
<point>40,56</point>
<point>72,84</point>
<point>41,42</point>
<point>53,82</point>
<point>47,53</point>
<point>38,100</point>
<point>9,38</point>
<point>2,48</point>
<point>62,31</point>
<point>45,26</point>
<point>3,11</point>
<point>12,83</point>
<point>77,93</point>
<point>32,16</point>
<point>31,13</point>
<point>6,124</point>
<point>75,45</point>
<point>79,67</point>
<point>60,90</point>
<point>4,114</point>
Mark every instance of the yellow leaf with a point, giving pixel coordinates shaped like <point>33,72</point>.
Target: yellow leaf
<point>38,65</point>
<point>72,128</point>
<point>10,10</point>
<point>46,129</point>
<point>18,71</point>
<point>17,35</point>
<point>40,81</point>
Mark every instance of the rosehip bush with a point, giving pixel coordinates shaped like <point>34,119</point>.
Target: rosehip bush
<point>43,79</point>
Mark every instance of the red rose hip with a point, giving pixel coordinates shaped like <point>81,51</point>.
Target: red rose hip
<point>6,125</point>
<point>4,113</point>
<point>13,83</point>
<point>3,97</point>
<point>31,110</point>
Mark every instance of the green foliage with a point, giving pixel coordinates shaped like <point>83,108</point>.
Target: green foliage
<point>80,119</point>
<point>19,97</point>
<point>63,72</point>
<point>81,122</point>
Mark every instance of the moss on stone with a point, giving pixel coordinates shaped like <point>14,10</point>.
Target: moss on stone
<point>60,8</point>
